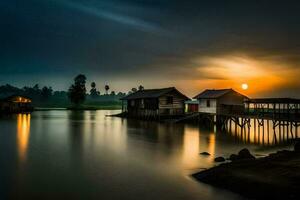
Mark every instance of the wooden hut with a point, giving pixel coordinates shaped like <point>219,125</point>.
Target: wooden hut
<point>15,104</point>
<point>221,101</point>
<point>154,103</point>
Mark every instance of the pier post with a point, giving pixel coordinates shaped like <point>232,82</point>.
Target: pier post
<point>268,131</point>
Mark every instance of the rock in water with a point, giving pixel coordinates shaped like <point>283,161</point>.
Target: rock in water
<point>205,153</point>
<point>297,147</point>
<point>245,154</point>
<point>219,159</point>
<point>233,157</point>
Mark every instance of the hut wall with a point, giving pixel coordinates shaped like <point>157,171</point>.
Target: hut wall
<point>231,99</point>
<point>204,108</point>
<point>175,107</point>
<point>169,104</point>
<point>142,107</point>
<point>230,103</point>
<point>13,107</point>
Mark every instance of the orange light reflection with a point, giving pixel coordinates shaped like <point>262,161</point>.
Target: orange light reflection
<point>23,133</point>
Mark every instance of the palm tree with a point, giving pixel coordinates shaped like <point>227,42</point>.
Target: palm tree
<point>93,85</point>
<point>106,88</point>
<point>93,92</point>
<point>141,87</point>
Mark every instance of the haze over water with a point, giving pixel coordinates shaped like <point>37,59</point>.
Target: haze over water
<point>85,155</point>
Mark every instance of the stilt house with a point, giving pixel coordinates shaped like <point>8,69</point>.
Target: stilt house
<point>154,103</point>
<point>221,101</point>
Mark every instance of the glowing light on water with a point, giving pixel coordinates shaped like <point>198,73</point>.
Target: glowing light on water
<point>23,133</point>
<point>191,141</point>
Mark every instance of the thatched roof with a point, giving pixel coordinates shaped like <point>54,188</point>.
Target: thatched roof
<point>153,93</point>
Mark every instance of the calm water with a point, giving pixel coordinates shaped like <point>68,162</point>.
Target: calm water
<point>85,155</point>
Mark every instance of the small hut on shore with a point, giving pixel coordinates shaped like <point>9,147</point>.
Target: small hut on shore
<point>221,101</point>
<point>154,103</point>
<point>15,104</point>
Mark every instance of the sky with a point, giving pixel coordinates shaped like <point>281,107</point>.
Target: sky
<point>192,45</point>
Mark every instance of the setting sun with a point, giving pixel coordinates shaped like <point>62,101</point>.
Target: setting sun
<point>245,86</point>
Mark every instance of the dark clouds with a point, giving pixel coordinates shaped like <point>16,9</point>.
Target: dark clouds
<point>132,40</point>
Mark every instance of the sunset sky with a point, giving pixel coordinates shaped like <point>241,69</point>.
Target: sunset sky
<point>189,44</point>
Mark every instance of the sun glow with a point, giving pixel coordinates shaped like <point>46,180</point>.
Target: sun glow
<point>231,71</point>
<point>245,86</point>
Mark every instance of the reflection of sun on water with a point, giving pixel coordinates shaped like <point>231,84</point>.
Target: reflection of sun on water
<point>191,142</point>
<point>263,134</point>
<point>23,132</point>
<point>212,145</point>
<point>192,146</point>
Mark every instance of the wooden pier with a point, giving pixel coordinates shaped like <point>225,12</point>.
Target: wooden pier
<point>279,117</point>
<point>278,114</point>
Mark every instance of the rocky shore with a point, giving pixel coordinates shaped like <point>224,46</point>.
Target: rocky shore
<point>275,176</point>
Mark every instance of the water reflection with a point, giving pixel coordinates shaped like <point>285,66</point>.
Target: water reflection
<point>23,133</point>
<point>89,131</point>
<point>264,132</point>
<point>113,158</point>
<point>191,143</point>
<point>212,145</point>
<point>76,132</point>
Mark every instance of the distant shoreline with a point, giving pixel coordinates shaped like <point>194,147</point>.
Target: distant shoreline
<point>46,109</point>
<point>75,109</point>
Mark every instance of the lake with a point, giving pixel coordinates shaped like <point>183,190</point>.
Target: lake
<point>86,155</point>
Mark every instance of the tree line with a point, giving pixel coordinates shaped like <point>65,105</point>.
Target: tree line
<point>77,91</point>
<point>76,94</point>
